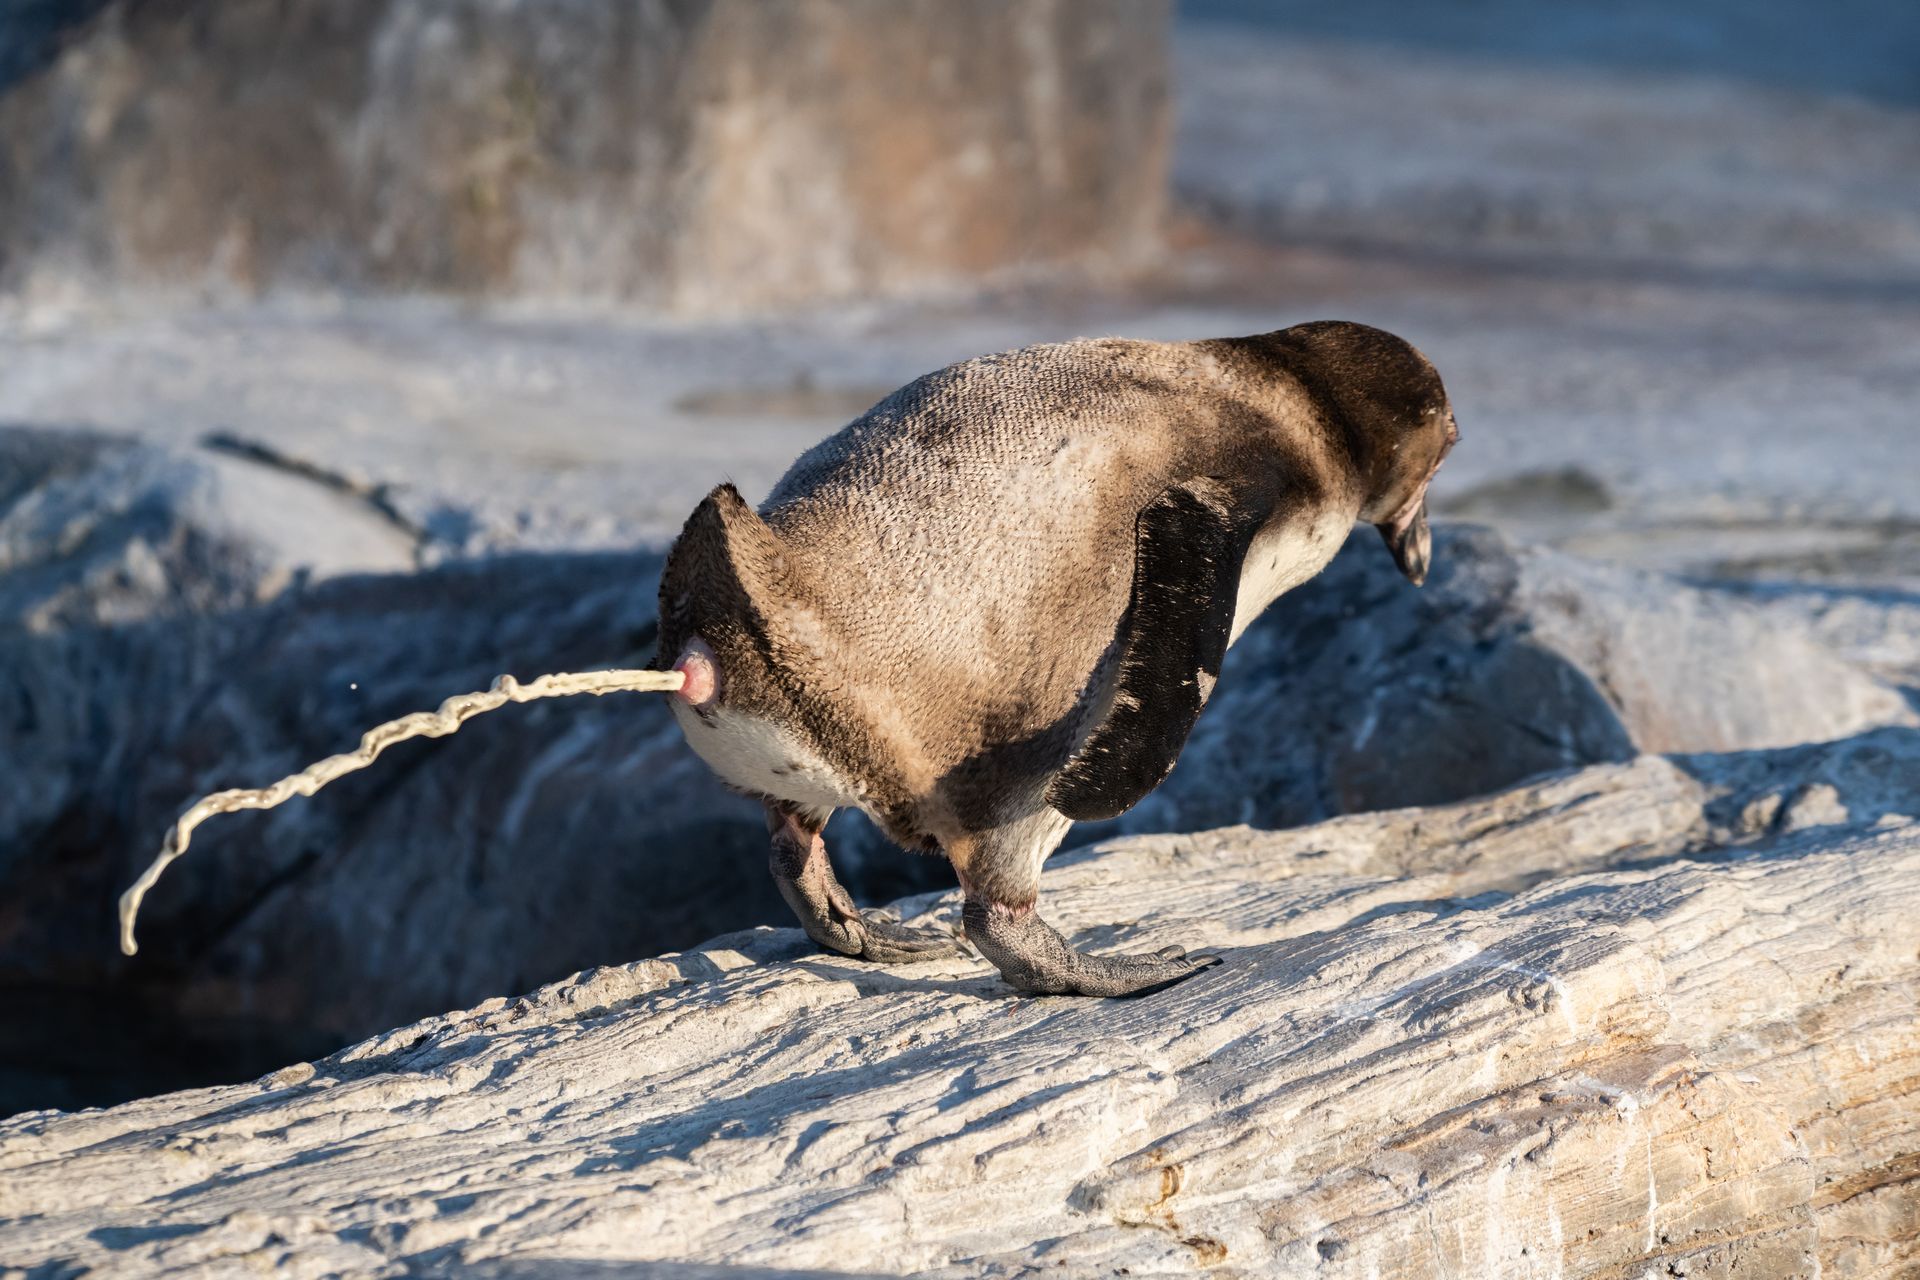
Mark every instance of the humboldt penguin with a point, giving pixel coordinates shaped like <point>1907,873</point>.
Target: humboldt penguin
<point>994,605</point>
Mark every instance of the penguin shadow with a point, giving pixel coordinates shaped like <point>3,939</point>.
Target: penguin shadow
<point>789,947</point>
<point>934,977</point>
<point>988,986</point>
<point>878,980</point>
<point>927,977</point>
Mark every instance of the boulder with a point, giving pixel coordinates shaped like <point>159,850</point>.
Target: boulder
<point>1652,1016</point>
<point>98,530</point>
<point>539,839</point>
<point>704,157</point>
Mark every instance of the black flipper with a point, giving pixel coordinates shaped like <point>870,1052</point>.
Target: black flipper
<point>1190,545</point>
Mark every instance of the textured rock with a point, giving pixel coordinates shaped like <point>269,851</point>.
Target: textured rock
<point>713,156</point>
<point>530,844</point>
<point>1689,1048</point>
<point>97,530</point>
<point>176,622</point>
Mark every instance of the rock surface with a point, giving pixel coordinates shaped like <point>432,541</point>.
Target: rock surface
<point>1649,1016</point>
<point>703,157</point>
<point>98,531</point>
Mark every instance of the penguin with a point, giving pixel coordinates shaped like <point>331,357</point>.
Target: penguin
<point>995,604</point>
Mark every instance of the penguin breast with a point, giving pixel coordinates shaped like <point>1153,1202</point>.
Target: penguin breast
<point>1281,557</point>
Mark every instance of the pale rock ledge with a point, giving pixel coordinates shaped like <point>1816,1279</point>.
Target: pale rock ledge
<point>1654,1018</point>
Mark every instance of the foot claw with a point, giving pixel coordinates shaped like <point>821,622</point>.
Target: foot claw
<point>1136,975</point>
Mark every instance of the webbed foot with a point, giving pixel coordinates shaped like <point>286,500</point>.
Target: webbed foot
<point>1032,956</point>
<point>827,912</point>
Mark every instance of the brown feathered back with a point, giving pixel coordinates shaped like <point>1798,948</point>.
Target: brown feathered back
<point>935,592</point>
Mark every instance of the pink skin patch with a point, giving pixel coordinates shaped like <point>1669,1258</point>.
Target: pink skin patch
<point>796,831</point>
<point>1014,909</point>
<point>702,676</point>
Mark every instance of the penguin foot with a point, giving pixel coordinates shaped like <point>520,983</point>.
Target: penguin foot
<point>1033,957</point>
<point>890,942</point>
<point>846,929</point>
<point>827,912</point>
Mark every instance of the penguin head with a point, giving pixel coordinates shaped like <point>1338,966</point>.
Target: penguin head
<point>1398,425</point>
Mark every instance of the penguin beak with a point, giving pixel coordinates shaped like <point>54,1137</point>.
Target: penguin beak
<point>1406,533</point>
<point>1411,542</point>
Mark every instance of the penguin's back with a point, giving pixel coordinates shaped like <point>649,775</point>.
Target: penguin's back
<point>973,533</point>
<point>1061,417</point>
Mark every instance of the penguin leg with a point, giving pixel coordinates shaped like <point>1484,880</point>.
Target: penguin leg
<point>1002,885</point>
<point>805,878</point>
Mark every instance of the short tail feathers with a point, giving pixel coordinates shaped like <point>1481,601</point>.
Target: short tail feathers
<point>453,713</point>
<point>725,561</point>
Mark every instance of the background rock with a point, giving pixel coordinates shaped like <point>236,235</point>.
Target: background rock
<point>718,156</point>
<point>1684,1048</point>
<point>500,858</point>
<point>98,530</point>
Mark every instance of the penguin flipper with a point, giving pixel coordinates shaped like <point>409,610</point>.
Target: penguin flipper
<point>1189,548</point>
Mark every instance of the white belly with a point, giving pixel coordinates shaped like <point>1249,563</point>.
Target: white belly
<point>764,759</point>
<point>1283,557</point>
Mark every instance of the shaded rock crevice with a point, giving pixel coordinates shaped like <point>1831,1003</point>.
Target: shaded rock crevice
<point>377,497</point>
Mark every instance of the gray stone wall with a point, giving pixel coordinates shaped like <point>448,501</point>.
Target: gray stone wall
<point>704,156</point>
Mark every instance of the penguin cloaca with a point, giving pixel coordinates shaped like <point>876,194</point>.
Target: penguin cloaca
<point>995,604</point>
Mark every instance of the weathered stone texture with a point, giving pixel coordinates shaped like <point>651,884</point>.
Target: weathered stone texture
<point>705,156</point>
<point>1689,1049</point>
